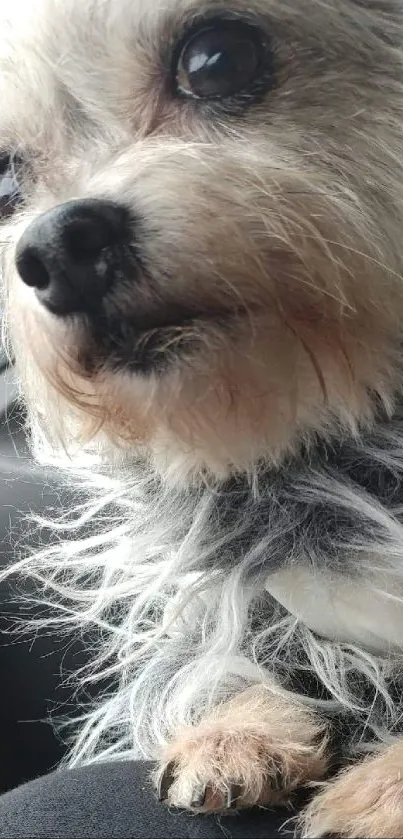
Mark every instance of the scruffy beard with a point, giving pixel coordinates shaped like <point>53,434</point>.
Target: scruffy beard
<point>148,343</point>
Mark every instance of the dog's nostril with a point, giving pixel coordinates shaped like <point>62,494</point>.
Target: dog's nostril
<point>85,238</point>
<point>32,271</point>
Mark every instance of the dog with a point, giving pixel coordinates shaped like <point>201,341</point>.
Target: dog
<point>201,212</point>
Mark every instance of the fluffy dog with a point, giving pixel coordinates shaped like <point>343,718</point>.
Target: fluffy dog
<point>201,236</point>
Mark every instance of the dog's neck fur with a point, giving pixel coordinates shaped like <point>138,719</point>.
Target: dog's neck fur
<point>329,523</point>
<point>331,504</point>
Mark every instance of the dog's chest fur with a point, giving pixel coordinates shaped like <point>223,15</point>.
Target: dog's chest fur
<point>343,609</point>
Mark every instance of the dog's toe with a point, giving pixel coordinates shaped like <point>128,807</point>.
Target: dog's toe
<point>202,798</point>
<point>166,780</point>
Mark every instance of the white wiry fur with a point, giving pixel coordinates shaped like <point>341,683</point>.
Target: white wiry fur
<point>177,640</point>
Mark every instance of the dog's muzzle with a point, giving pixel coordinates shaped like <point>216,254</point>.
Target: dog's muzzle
<point>72,255</point>
<point>83,259</point>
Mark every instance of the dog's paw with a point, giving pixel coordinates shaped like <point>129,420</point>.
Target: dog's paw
<point>255,749</point>
<point>221,770</point>
<point>365,801</point>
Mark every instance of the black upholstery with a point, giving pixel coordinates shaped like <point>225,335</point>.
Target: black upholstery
<point>30,670</point>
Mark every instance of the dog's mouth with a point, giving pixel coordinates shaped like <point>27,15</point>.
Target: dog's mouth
<point>150,343</point>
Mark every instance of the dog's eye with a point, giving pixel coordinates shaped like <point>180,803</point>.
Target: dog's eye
<point>221,60</point>
<point>10,192</point>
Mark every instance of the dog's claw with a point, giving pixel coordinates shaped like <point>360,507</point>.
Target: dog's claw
<point>209,795</point>
<point>234,794</point>
<point>165,783</point>
<point>205,798</point>
<point>199,800</point>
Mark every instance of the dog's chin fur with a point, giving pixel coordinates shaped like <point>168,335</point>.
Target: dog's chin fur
<point>245,451</point>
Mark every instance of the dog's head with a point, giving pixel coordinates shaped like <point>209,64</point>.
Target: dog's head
<point>201,214</point>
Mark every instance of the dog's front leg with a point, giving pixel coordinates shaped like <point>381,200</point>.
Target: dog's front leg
<point>363,801</point>
<point>254,749</point>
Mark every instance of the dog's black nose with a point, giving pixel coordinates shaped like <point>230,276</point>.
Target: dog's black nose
<point>71,254</point>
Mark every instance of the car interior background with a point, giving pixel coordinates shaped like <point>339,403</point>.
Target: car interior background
<point>33,669</point>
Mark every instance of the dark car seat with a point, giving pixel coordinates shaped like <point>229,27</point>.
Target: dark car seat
<point>31,668</point>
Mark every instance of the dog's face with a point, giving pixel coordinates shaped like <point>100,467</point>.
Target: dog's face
<point>201,211</point>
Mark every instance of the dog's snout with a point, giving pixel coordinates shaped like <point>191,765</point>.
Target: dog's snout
<point>70,254</point>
